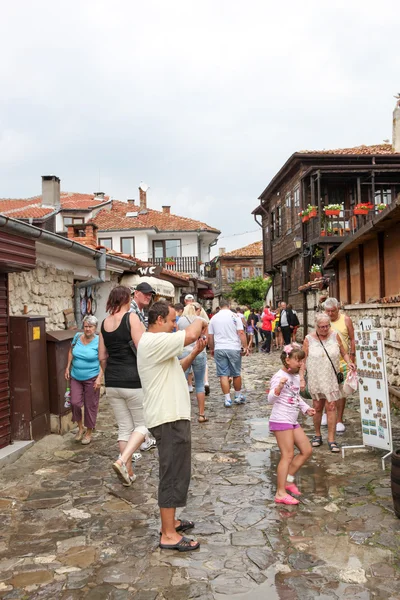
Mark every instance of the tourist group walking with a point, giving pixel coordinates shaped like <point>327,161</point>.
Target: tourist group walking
<point>153,354</point>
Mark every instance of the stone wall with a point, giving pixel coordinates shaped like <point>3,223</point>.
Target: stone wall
<point>45,291</point>
<point>385,316</point>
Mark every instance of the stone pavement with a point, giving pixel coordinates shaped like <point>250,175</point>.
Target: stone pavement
<point>70,531</point>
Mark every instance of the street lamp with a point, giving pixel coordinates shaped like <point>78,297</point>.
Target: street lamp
<point>304,249</point>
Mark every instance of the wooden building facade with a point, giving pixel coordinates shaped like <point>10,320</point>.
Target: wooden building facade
<point>365,175</point>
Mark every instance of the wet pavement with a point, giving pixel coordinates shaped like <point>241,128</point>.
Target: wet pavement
<point>71,531</point>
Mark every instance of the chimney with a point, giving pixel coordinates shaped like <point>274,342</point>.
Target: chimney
<point>50,190</point>
<point>396,126</point>
<point>143,187</point>
<point>221,251</point>
<point>99,195</point>
<point>166,210</point>
<point>131,200</point>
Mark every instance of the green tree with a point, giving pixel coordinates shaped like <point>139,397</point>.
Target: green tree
<point>251,291</point>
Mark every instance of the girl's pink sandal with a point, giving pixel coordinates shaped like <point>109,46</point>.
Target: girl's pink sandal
<point>293,489</point>
<point>286,500</point>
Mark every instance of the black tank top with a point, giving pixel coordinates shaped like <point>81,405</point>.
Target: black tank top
<point>121,369</point>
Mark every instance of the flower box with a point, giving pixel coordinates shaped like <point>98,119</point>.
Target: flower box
<point>361,211</point>
<point>305,219</point>
<point>332,212</point>
<point>315,275</point>
<point>312,213</point>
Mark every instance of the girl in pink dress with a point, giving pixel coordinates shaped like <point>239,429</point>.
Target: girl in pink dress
<point>284,394</point>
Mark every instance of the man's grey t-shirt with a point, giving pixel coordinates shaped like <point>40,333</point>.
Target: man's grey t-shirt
<point>225,326</point>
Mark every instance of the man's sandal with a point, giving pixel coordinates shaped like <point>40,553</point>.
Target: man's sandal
<point>316,441</point>
<point>183,525</point>
<point>184,545</point>
<point>333,447</point>
<point>202,419</point>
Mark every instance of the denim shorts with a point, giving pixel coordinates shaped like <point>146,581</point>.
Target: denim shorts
<point>198,368</point>
<point>228,363</point>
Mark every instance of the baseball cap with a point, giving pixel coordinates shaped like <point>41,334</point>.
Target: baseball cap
<point>145,288</point>
<point>189,297</point>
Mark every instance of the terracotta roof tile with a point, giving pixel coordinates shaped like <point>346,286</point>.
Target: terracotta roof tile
<point>117,218</point>
<point>252,250</point>
<point>357,150</point>
<point>31,208</point>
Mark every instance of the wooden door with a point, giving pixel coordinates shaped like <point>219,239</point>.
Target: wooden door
<point>5,421</point>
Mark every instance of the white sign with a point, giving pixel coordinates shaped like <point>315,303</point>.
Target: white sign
<point>366,324</point>
<point>373,388</point>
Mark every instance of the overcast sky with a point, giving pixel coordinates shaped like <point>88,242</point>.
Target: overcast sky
<point>204,101</point>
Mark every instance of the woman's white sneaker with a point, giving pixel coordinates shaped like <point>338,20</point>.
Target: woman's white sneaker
<point>324,420</point>
<point>340,428</point>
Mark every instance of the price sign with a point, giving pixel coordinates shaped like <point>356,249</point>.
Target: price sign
<point>373,388</point>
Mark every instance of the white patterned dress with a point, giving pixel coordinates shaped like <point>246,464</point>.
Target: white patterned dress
<point>322,381</point>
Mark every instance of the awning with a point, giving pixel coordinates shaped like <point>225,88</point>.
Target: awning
<point>206,294</point>
<point>162,288</point>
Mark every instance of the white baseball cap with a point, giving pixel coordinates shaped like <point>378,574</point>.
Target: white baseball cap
<point>189,297</point>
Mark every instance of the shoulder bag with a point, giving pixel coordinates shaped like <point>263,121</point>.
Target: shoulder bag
<point>131,342</point>
<point>339,376</point>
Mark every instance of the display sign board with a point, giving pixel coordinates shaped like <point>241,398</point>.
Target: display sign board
<point>373,389</point>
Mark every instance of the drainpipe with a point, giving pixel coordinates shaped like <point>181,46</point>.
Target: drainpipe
<point>101,268</point>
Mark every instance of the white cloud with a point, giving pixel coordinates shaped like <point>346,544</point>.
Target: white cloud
<point>203,101</point>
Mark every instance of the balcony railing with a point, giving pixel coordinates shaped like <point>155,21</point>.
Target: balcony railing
<point>346,223</point>
<point>180,264</point>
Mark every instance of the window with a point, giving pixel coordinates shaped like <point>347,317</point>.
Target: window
<point>166,248</point>
<point>258,272</point>
<point>278,221</point>
<point>107,242</point>
<point>296,197</point>
<point>128,246</point>
<point>273,225</point>
<point>245,272</point>
<point>230,275</point>
<point>288,200</point>
<point>72,221</point>
<point>383,196</point>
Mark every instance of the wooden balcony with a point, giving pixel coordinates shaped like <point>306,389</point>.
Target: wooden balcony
<point>332,229</point>
<point>180,264</point>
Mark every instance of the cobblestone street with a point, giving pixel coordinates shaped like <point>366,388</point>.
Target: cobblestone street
<point>71,531</point>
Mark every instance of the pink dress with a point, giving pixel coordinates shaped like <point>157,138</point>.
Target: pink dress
<point>321,378</point>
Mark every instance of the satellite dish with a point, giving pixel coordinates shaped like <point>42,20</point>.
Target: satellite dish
<point>143,186</point>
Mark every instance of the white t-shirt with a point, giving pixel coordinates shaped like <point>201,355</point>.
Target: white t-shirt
<point>225,326</point>
<point>165,389</point>
<point>284,321</point>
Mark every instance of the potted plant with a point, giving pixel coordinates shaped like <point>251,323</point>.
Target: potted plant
<point>323,232</point>
<point>329,231</point>
<point>381,207</point>
<point>362,209</point>
<point>333,210</point>
<point>315,272</point>
<point>169,260</point>
<point>303,214</point>
<point>312,211</point>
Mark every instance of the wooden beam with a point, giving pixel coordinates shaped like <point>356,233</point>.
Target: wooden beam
<point>358,190</point>
<point>362,273</point>
<point>348,278</point>
<point>381,264</point>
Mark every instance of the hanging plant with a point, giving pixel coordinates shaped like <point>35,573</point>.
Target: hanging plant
<point>333,210</point>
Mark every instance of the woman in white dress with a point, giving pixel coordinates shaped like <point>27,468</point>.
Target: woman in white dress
<point>323,348</point>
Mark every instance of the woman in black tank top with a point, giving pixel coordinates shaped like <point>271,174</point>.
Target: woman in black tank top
<point>120,334</point>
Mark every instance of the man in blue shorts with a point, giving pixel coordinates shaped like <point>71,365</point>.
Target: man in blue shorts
<point>226,338</point>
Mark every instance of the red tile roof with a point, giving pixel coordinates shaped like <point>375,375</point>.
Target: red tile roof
<point>252,250</point>
<point>117,218</point>
<point>31,208</point>
<point>357,150</point>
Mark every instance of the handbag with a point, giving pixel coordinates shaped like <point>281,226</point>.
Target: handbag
<point>131,342</point>
<point>339,376</point>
